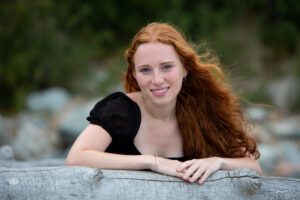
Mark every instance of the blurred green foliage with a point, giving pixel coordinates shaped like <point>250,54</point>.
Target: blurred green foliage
<point>45,43</point>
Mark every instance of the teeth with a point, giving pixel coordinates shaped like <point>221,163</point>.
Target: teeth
<point>159,89</point>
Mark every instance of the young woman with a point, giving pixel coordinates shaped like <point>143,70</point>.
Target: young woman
<point>177,116</point>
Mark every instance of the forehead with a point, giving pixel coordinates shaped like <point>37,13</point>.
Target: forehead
<point>154,52</point>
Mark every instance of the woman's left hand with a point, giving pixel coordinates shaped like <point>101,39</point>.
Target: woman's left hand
<point>199,169</point>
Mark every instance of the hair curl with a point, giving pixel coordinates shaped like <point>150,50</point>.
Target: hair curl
<point>209,115</point>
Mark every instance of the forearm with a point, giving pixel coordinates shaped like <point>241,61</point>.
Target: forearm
<point>238,163</point>
<point>96,159</point>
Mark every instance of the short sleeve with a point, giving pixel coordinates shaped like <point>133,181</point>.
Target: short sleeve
<point>118,115</point>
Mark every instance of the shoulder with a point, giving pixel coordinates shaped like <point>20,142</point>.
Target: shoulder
<point>118,102</point>
<point>116,113</point>
<point>116,98</point>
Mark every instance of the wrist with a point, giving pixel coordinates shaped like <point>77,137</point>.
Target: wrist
<point>150,162</point>
<point>222,162</point>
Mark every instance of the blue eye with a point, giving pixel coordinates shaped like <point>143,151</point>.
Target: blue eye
<point>167,67</point>
<point>145,70</point>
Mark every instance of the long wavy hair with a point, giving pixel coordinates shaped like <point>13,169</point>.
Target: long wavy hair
<point>209,115</point>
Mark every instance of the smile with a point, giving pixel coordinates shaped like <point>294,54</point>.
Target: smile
<point>159,91</point>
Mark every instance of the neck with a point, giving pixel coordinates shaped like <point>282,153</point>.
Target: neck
<point>164,113</point>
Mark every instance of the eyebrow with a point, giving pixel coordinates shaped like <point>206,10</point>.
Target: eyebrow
<point>163,63</point>
<point>141,66</point>
<point>167,62</point>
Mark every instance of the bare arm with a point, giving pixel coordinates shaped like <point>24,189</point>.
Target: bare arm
<point>238,163</point>
<point>88,150</point>
<point>201,169</point>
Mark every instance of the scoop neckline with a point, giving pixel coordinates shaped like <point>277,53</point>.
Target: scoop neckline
<point>140,119</point>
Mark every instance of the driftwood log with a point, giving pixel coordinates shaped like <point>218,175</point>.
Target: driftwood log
<point>35,180</point>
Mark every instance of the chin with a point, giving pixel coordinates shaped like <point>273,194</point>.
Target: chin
<point>162,101</point>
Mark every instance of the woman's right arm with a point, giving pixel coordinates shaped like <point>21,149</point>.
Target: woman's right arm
<point>88,150</point>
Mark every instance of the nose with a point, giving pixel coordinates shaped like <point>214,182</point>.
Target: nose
<point>157,78</point>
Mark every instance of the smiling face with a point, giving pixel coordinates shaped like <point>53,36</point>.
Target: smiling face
<point>158,72</point>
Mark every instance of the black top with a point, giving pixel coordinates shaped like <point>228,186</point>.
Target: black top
<point>121,118</point>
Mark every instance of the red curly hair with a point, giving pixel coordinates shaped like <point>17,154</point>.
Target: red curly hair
<point>209,115</point>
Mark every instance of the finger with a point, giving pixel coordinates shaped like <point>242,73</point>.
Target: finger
<point>185,165</point>
<point>190,171</point>
<point>197,174</point>
<point>206,174</point>
<point>179,175</point>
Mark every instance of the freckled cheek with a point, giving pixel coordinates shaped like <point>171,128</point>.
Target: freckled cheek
<point>173,77</point>
<point>143,82</point>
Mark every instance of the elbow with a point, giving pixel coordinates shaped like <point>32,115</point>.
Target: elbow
<point>71,160</point>
<point>258,168</point>
<point>255,165</point>
<point>69,163</point>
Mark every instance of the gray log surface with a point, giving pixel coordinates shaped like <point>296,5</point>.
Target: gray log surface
<point>61,182</point>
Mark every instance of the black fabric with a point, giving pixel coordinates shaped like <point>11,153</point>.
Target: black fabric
<point>121,118</point>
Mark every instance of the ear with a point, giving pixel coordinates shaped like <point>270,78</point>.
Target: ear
<point>185,73</point>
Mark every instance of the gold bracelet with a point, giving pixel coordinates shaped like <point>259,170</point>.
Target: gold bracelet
<point>156,162</point>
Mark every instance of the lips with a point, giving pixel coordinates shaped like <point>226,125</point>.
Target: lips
<point>160,91</point>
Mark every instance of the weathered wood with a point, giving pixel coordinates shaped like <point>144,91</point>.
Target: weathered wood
<point>279,188</point>
<point>88,183</point>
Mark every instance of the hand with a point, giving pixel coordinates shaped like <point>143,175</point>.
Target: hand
<point>167,167</point>
<point>199,169</point>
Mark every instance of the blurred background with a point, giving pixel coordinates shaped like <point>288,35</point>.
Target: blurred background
<point>58,58</point>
